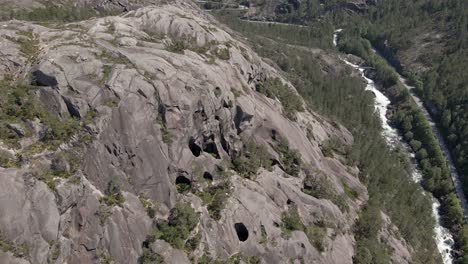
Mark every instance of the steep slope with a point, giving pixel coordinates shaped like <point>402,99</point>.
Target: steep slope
<point>97,5</point>
<point>113,125</point>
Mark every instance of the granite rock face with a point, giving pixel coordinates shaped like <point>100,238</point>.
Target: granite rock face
<point>166,94</point>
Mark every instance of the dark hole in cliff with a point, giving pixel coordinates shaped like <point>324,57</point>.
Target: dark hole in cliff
<point>225,144</point>
<point>183,184</point>
<point>207,176</point>
<point>288,202</point>
<point>42,79</point>
<point>217,91</point>
<point>212,149</point>
<point>242,232</point>
<point>273,134</point>
<point>196,150</point>
<point>240,117</point>
<point>274,162</point>
<point>227,104</point>
<point>209,146</point>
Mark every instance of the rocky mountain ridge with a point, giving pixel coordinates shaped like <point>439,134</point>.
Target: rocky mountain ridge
<point>135,117</point>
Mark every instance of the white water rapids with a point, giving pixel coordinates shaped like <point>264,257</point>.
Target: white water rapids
<point>443,237</point>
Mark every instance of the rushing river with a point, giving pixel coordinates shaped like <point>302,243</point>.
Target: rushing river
<point>443,237</point>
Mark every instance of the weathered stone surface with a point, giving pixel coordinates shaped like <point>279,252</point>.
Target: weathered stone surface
<point>17,129</point>
<point>9,258</point>
<point>28,212</point>
<point>401,252</point>
<point>157,115</point>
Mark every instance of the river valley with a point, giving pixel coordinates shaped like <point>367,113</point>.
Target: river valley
<point>443,237</point>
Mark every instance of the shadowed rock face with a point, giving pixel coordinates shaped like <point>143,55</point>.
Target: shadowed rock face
<point>158,114</point>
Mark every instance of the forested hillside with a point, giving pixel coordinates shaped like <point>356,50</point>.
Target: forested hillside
<point>427,41</point>
<point>343,98</point>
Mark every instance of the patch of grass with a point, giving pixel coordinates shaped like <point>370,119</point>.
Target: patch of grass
<point>290,159</point>
<point>222,53</point>
<point>193,242</point>
<point>316,235</point>
<point>103,213</point>
<point>111,104</point>
<point>113,58</point>
<point>252,158</point>
<point>177,46</point>
<point>149,206</point>
<point>150,257</point>
<point>28,44</point>
<point>106,71</point>
<point>176,230</point>
<point>166,133</point>
<point>7,162</point>
<point>274,88</point>
<point>54,248</point>
<point>8,136</point>
<point>215,197</point>
<point>59,166</point>
<point>237,93</point>
<point>197,170</point>
<point>19,103</point>
<point>223,168</point>
<point>106,259</point>
<point>291,221</point>
<point>19,251</point>
<point>50,179</point>
<point>183,187</point>
<point>318,185</point>
<point>154,36</point>
<point>264,234</point>
<point>334,145</point>
<point>350,192</point>
<point>341,202</point>
<point>113,195</point>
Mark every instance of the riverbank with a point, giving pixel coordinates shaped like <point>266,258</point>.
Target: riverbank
<point>419,132</point>
<point>443,237</point>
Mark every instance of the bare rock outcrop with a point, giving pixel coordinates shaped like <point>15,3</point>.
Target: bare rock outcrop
<point>390,235</point>
<point>164,96</point>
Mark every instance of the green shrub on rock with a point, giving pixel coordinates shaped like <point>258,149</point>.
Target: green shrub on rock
<point>215,197</point>
<point>253,158</point>
<point>291,221</point>
<point>274,88</point>
<point>113,195</point>
<point>182,220</point>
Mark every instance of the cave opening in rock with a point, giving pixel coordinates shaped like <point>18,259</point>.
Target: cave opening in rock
<point>212,149</point>
<point>207,176</point>
<point>183,184</point>
<point>241,231</point>
<point>196,150</point>
<point>209,146</point>
<point>274,134</point>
